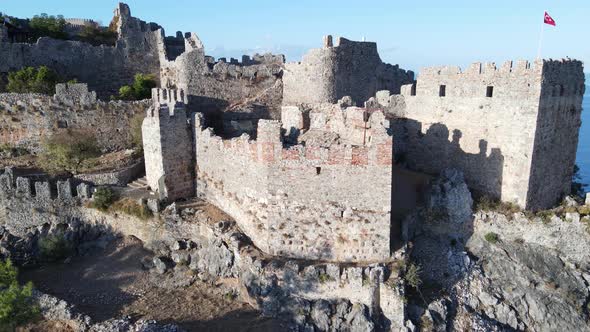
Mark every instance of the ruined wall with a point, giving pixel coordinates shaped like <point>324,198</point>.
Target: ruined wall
<point>104,68</point>
<point>167,146</point>
<point>27,120</point>
<point>249,89</point>
<point>317,202</point>
<point>484,121</point>
<point>348,69</point>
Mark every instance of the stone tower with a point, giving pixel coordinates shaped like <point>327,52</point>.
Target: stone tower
<point>167,146</point>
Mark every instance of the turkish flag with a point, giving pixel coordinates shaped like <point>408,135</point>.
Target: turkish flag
<point>549,20</point>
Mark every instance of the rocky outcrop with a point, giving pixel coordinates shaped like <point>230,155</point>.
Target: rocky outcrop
<point>492,272</point>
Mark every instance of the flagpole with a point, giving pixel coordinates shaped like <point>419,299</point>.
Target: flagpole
<point>541,37</point>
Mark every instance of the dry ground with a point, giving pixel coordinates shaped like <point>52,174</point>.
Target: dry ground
<point>114,283</point>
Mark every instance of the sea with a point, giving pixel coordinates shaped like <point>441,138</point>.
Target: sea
<point>583,157</point>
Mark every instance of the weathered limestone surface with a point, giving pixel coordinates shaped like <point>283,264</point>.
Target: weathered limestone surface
<point>318,201</point>
<point>347,69</point>
<point>505,128</point>
<point>27,120</point>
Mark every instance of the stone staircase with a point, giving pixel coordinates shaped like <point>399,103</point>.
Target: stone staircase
<point>140,183</point>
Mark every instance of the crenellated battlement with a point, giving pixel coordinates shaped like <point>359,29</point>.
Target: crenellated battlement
<point>28,188</point>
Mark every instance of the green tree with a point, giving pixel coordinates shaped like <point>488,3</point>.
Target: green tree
<point>31,79</point>
<point>16,303</point>
<point>140,89</point>
<point>98,36</point>
<point>48,26</point>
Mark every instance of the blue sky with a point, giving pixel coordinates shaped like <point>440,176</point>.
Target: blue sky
<point>410,34</point>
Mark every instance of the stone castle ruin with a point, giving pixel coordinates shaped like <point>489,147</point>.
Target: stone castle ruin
<point>316,161</point>
<point>285,149</point>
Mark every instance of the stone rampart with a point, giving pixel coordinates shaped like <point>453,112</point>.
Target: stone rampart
<point>27,120</point>
<point>348,68</point>
<point>503,127</point>
<point>308,201</point>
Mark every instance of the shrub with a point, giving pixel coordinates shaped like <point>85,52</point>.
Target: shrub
<point>31,79</point>
<point>323,278</point>
<point>133,208</point>
<point>412,275</point>
<point>10,151</point>
<point>98,36</point>
<point>66,151</point>
<point>492,237</point>
<point>103,198</point>
<point>16,303</point>
<point>54,247</point>
<point>48,26</point>
<point>140,89</point>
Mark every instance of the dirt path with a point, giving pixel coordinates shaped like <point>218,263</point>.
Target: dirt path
<point>113,283</point>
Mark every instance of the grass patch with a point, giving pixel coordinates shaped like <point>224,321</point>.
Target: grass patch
<point>486,203</point>
<point>132,208</point>
<point>10,151</point>
<point>412,276</point>
<point>323,278</point>
<point>68,151</point>
<point>492,237</point>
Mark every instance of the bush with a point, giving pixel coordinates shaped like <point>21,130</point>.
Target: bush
<point>103,198</point>
<point>98,36</point>
<point>48,26</point>
<point>54,247</point>
<point>133,208</point>
<point>31,79</point>
<point>492,237</point>
<point>412,275</point>
<point>16,303</point>
<point>11,151</point>
<point>140,89</point>
<point>66,151</point>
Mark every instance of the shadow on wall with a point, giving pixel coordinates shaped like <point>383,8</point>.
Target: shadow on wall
<point>434,152</point>
<point>229,121</point>
<point>431,153</point>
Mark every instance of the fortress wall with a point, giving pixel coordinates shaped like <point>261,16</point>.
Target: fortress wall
<point>348,69</point>
<point>27,120</point>
<point>104,68</point>
<point>491,139</point>
<point>329,203</point>
<point>556,137</point>
<point>223,86</point>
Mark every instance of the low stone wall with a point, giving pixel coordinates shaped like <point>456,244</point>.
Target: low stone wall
<point>27,120</point>
<point>119,177</point>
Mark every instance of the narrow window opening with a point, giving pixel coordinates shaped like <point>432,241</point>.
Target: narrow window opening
<point>413,90</point>
<point>561,91</point>
<point>442,91</point>
<point>318,170</point>
<point>490,92</point>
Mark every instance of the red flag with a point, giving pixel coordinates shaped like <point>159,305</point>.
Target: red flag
<point>549,20</point>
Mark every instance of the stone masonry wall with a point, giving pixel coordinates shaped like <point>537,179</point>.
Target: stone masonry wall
<point>348,69</point>
<point>104,68</point>
<point>167,146</point>
<point>218,86</point>
<point>27,120</point>
<point>329,203</point>
<point>486,122</point>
